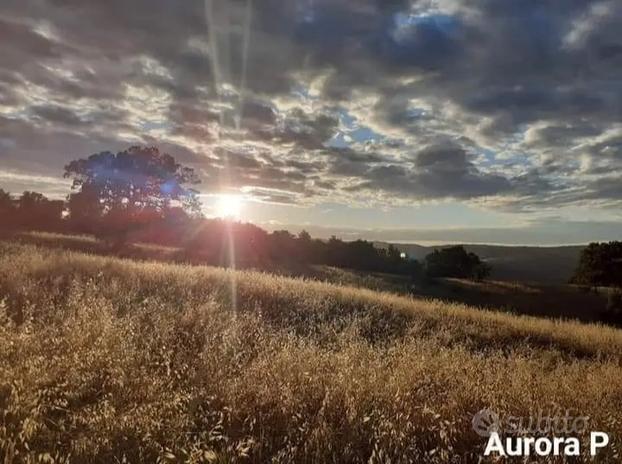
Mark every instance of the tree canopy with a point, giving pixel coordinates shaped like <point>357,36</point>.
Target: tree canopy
<point>31,210</point>
<point>455,261</point>
<point>131,187</point>
<point>600,264</point>
<point>6,203</point>
<point>139,177</point>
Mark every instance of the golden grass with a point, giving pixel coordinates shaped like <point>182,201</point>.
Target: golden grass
<point>106,360</point>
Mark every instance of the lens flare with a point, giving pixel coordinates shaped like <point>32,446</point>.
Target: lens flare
<point>229,206</point>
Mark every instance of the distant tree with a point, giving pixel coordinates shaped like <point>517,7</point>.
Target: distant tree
<point>481,271</point>
<point>283,246</point>
<point>455,261</point>
<point>613,310</point>
<point>7,211</point>
<point>122,191</point>
<point>6,202</point>
<point>220,242</point>
<point>85,210</point>
<point>394,253</point>
<point>36,211</point>
<point>600,264</point>
<point>305,246</point>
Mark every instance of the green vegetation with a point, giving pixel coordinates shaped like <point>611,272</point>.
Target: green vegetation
<point>600,265</point>
<point>454,261</point>
<point>117,194</point>
<point>613,311</point>
<point>109,360</point>
<point>30,210</point>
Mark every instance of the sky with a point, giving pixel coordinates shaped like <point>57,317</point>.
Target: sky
<point>415,121</point>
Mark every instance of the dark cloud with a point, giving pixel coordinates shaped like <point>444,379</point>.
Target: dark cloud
<point>557,135</point>
<point>19,40</point>
<point>438,171</point>
<point>309,131</point>
<point>351,163</point>
<point>57,114</point>
<point>528,94</point>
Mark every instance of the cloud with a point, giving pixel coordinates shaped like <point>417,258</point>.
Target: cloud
<point>508,104</point>
<point>437,171</point>
<point>56,114</point>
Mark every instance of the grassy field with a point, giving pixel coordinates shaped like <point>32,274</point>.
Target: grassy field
<point>542,300</point>
<point>111,360</point>
<point>535,299</point>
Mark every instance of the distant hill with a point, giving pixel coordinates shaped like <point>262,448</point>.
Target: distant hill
<point>550,265</point>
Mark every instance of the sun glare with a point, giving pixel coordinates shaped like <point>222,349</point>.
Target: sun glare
<point>229,206</point>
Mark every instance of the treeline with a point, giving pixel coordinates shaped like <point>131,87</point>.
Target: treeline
<point>600,265</point>
<point>143,195</point>
<point>455,261</point>
<point>223,242</point>
<point>31,210</point>
<point>218,241</point>
<point>211,241</point>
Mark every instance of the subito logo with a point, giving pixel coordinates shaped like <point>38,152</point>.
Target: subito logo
<point>485,422</point>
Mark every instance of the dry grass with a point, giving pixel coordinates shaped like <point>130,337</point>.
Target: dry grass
<point>106,360</point>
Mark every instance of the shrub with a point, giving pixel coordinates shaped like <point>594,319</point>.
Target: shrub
<point>455,261</point>
<point>613,310</point>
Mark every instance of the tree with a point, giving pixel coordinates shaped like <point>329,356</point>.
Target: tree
<point>6,202</point>
<point>394,254</point>
<point>456,262</point>
<point>305,246</point>
<point>7,210</point>
<point>600,264</point>
<point>84,210</point>
<point>481,271</point>
<point>38,212</point>
<point>613,310</point>
<point>122,191</point>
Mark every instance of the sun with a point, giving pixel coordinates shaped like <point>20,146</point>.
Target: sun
<point>229,206</point>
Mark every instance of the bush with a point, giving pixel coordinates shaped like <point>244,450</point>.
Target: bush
<point>600,265</point>
<point>613,310</point>
<point>455,261</point>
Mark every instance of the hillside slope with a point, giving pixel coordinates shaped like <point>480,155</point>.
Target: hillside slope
<point>106,359</point>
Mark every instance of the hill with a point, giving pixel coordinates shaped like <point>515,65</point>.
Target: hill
<point>547,265</point>
<point>112,360</point>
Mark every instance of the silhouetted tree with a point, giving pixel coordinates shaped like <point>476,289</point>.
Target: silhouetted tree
<point>120,192</point>
<point>456,262</point>
<point>221,242</point>
<point>7,207</point>
<point>6,202</point>
<point>85,210</point>
<point>613,310</point>
<point>8,219</point>
<point>218,241</point>
<point>305,246</point>
<point>35,211</point>
<point>600,264</point>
